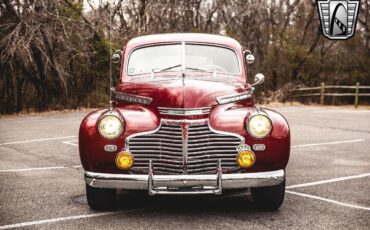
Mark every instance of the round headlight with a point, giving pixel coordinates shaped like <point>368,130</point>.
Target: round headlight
<point>110,126</point>
<point>259,126</point>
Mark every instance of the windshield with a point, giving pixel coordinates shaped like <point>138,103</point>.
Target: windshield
<point>170,58</point>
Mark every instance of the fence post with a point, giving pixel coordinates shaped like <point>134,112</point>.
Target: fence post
<point>322,91</point>
<point>356,94</point>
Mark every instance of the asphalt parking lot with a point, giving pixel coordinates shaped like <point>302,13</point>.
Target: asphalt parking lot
<point>328,180</point>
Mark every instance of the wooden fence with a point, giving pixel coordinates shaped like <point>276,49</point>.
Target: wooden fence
<point>322,94</point>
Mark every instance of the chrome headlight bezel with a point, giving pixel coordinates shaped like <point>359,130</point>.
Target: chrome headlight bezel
<point>120,126</point>
<point>268,124</point>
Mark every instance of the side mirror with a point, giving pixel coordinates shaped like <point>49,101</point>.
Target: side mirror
<point>258,79</point>
<point>249,57</point>
<point>116,57</point>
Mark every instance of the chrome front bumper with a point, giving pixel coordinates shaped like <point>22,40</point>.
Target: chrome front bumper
<point>185,184</point>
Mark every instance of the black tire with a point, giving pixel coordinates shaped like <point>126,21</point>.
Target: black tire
<point>268,198</point>
<point>101,199</point>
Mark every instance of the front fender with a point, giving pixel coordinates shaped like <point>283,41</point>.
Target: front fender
<point>232,118</point>
<point>94,158</point>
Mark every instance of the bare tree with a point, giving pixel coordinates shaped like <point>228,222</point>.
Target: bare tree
<point>55,54</point>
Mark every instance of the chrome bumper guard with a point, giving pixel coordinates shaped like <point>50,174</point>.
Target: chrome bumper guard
<point>185,184</point>
<point>197,189</point>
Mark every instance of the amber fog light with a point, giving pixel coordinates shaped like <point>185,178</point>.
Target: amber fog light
<point>124,160</point>
<point>246,158</point>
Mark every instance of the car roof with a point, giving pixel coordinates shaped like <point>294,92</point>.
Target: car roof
<point>186,37</point>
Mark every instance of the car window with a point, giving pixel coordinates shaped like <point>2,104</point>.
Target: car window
<point>148,59</point>
<point>169,58</point>
<point>212,58</point>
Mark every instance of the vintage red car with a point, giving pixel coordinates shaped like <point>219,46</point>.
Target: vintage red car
<point>183,121</point>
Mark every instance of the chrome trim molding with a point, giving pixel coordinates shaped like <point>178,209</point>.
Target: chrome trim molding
<point>133,98</point>
<point>233,98</point>
<point>179,122</point>
<point>227,133</point>
<point>141,182</point>
<point>184,112</point>
<point>127,140</point>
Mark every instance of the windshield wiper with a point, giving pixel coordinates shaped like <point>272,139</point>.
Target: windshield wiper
<point>167,68</point>
<point>157,70</point>
<point>187,67</point>
<point>198,69</point>
<point>214,73</point>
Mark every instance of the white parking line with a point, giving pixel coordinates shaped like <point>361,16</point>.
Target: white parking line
<point>37,169</point>
<point>35,140</point>
<point>328,143</point>
<point>54,220</point>
<point>328,181</point>
<point>59,219</point>
<point>70,143</point>
<point>328,200</point>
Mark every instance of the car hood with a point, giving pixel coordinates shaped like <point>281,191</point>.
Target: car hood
<point>178,92</point>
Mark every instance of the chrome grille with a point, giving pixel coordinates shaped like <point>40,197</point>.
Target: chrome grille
<point>175,153</point>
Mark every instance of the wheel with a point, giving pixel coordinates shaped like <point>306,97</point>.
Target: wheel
<point>101,198</point>
<point>268,198</point>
